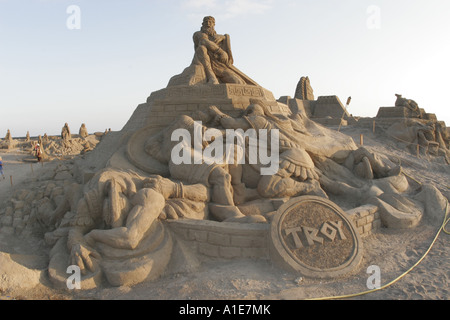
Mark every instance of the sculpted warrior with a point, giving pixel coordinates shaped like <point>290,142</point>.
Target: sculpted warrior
<point>213,53</point>
<point>118,209</point>
<point>296,174</point>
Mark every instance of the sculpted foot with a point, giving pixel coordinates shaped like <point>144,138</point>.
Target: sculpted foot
<point>213,81</point>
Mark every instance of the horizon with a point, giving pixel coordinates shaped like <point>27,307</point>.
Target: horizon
<point>97,64</point>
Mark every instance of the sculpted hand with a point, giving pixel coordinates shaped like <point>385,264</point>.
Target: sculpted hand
<point>216,114</point>
<point>84,257</point>
<point>222,56</point>
<point>171,212</point>
<point>162,185</point>
<point>214,111</point>
<point>202,116</point>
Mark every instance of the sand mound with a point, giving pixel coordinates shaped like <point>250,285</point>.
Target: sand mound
<point>15,275</point>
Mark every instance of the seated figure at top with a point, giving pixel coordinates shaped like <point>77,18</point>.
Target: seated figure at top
<point>213,60</point>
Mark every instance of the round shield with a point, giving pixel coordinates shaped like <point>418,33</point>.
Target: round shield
<point>138,157</point>
<point>313,236</point>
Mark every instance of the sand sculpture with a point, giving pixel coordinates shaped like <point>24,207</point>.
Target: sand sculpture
<point>8,136</point>
<point>404,108</point>
<point>83,131</point>
<point>213,60</point>
<point>423,137</point>
<point>54,147</point>
<point>8,142</point>
<point>326,110</point>
<point>415,129</point>
<point>304,90</point>
<point>65,133</point>
<point>408,103</point>
<point>168,188</point>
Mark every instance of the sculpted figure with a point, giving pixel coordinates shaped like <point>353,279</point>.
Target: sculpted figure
<point>414,132</point>
<point>369,165</point>
<point>83,131</point>
<point>213,54</point>
<point>296,174</point>
<point>443,139</point>
<point>117,211</point>
<point>65,133</point>
<point>410,104</point>
<point>215,176</point>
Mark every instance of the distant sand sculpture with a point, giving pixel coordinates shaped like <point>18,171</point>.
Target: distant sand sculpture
<point>83,131</point>
<point>65,133</point>
<point>411,126</point>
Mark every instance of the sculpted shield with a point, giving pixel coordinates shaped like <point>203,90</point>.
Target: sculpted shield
<point>313,236</point>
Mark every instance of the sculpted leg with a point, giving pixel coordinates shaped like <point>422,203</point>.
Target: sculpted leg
<point>223,207</point>
<point>222,192</point>
<point>148,204</point>
<point>241,193</point>
<point>338,188</point>
<point>201,57</point>
<point>227,76</point>
<point>279,187</point>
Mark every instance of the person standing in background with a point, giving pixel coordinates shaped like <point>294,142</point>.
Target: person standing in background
<point>1,168</point>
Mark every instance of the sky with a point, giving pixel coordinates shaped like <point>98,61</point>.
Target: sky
<point>95,61</point>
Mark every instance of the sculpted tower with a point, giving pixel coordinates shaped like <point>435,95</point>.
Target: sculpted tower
<point>304,90</point>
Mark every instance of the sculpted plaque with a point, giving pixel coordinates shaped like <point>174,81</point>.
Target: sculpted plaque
<point>313,236</point>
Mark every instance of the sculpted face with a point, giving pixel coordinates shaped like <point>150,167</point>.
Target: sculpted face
<point>208,26</point>
<point>209,22</point>
<point>117,205</point>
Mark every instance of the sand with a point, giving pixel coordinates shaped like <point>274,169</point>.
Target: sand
<point>393,251</point>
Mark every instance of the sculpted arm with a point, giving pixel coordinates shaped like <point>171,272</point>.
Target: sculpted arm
<point>148,204</point>
<point>232,123</point>
<point>171,189</point>
<point>214,48</point>
<point>201,39</point>
<point>228,122</point>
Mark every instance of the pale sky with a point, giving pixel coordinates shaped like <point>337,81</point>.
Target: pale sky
<point>96,67</point>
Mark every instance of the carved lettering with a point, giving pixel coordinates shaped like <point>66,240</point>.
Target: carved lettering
<point>329,230</point>
<point>311,236</point>
<point>338,226</point>
<point>297,241</point>
<point>257,93</point>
